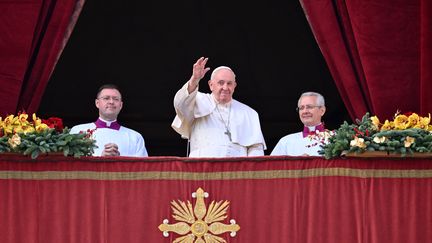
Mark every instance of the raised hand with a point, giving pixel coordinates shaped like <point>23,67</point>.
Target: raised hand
<point>198,72</point>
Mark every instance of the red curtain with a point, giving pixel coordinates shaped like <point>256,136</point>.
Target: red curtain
<point>378,52</point>
<point>33,35</point>
<point>426,56</point>
<point>273,199</point>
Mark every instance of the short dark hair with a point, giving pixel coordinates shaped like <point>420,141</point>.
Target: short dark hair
<point>107,86</point>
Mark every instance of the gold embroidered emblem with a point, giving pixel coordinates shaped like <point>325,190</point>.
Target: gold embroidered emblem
<point>200,225</point>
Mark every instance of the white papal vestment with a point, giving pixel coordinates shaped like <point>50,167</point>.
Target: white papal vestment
<point>205,122</point>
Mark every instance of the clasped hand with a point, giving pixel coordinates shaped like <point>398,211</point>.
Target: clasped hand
<point>110,149</point>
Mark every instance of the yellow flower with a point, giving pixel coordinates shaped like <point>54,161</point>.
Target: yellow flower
<point>17,130</point>
<point>401,122</point>
<point>36,120</point>
<point>379,139</point>
<point>14,141</point>
<point>28,129</point>
<point>408,141</point>
<point>413,120</point>
<point>388,125</point>
<point>9,120</point>
<point>23,118</point>
<point>358,142</point>
<point>375,122</point>
<point>423,123</point>
<point>8,129</point>
<point>41,127</point>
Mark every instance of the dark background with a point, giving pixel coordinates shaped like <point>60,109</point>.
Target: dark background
<point>148,49</point>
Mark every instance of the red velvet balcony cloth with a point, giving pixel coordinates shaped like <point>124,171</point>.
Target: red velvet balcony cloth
<point>273,199</point>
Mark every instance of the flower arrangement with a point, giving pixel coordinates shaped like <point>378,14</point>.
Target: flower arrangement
<point>39,136</point>
<point>320,137</point>
<point>405,134</point>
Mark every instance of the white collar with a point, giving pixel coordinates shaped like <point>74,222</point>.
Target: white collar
<point>108,123</point>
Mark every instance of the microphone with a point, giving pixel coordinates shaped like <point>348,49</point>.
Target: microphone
<point>187,148</point>
<point>187,145</point>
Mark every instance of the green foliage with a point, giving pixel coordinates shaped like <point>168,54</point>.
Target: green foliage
<point>340,142</point>
<point>394,142</point>
<point>49,141</point>
<point>4,145</point>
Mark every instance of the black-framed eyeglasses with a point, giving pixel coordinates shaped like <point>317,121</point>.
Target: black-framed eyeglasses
<point>307,107</point>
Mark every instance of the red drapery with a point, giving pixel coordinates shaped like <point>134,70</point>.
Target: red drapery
<point>273,199</point>
<point>33,34</point>
<point>377,51</point>
<point>426,57</point>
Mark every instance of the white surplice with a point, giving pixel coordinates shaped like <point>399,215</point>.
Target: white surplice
<point>129,142</point>
<point>296,145</point>
<point>202,120</point>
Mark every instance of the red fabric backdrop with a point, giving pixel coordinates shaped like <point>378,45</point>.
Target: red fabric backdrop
<point>377,51</point>
<point>273,199</point>
<point>33,34</point>
<point>426,56</point>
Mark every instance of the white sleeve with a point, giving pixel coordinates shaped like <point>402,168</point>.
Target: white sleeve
<point>141,150</point>
<point>74,130</point>
<point>255,150</point>
<point>279,149</point>
<point>184,104</point>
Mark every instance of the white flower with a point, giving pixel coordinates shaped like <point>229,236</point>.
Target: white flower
<point>15,140</point>
<point>358,142</point>
<point>408,141</point>
<point>380,139</point>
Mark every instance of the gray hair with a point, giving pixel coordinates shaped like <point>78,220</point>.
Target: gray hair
<point>219,68</point>
<point>320,98</point>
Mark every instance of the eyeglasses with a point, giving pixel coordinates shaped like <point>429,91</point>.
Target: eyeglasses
<point>307,107</point>
<point>107,98</point>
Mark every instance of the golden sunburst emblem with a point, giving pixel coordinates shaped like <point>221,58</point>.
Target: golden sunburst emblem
<point>199,225</point>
